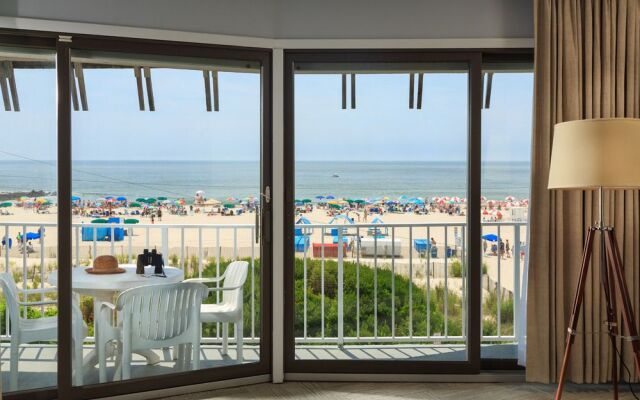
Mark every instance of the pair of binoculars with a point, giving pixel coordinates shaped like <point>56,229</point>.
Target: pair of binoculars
<point>150,258</point>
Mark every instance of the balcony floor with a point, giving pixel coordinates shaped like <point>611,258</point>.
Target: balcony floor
<point>38,362</point>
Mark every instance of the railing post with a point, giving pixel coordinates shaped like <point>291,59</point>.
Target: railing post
<point>516,276</point>
<point>340,291</point>
<point>165,242</point>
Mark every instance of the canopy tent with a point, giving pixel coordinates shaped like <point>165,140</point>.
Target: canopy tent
<point>342,217</point>
<point>490,237</point>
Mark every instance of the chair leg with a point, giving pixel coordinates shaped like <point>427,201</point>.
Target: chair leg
<point>196,354</point>
<point>78,361</point>
<point>225,338</point>
<point>102,360</point>
<point>239,335</point>
<point>13,364</point>
<point>188,349</point>
<point>126,359</point>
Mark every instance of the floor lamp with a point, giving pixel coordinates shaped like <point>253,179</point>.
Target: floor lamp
<point>599,154</point>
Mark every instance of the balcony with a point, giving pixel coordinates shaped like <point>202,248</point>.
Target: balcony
<point>387,293</point>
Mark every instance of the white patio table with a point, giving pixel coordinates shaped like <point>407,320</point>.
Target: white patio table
<point>104,288</point>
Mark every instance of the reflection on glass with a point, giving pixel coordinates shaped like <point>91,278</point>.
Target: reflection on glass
<point>165,193</point>
<point>506,148</point>
<point>28,227</point>
<point>380,197</point>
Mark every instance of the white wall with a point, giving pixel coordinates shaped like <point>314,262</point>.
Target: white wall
<point>297,19</point>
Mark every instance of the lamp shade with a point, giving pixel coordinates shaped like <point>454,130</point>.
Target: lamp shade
<point>596,153</point>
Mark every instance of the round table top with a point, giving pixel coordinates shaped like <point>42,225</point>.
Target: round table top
<point>86,282</point>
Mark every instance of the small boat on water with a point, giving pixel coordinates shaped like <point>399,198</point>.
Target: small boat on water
<point>336,175</point>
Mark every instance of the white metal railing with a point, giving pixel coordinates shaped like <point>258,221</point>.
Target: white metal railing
<point>377,246</point>
<point>433,261</point>
<point>209,245</point>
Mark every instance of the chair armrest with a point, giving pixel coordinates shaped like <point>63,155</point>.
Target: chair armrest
<point>225,288</point>
<point>106,304</point>
<point>37,291</point>
<point>37,303</point>
<point>205,280</point>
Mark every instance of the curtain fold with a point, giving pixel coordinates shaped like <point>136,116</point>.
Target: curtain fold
<point>587,65</point>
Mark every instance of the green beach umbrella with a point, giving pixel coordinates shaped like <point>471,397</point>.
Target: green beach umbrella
<point>131,221</point>
<point>6,204</point>
<point>359,201</point>
<point>134,204</point>
<point>151,200</point>
<point>99,221</point>
<point>229,205</point>
<point>162,198</point>
<point>306,200</point>
<point>141,199</point>
<point>336,206</point>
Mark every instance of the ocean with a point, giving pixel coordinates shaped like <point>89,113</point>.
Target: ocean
<point>176,179</point>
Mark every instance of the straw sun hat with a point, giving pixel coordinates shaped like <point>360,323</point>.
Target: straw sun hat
<point>104,265</point>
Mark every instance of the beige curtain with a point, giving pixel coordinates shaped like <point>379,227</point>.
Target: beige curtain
<point>587,65</point>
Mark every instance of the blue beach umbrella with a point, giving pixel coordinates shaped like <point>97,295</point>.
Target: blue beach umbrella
<point>330,197</point>
<point>319,197</point>
<point>75,198</point>
<point>490,237</point>
<point>121,198</point>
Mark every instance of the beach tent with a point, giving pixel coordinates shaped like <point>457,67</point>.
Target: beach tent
<point>490,237</point>
<point>342,217</point>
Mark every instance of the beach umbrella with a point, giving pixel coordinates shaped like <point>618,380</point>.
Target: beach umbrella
<point>456,199</point>
<point>181,202</point>
<point>99,221</point>
<point>121,198</point>
<point>490,237</point>
<point>509,198</point>
<point>135,204</point>
<point>463,200</point>
<point>229,205</point>
<point>335,206</point>
<point>319,197</point>
<point>6,204</point>
<point>162,198</point>
<point>491,203</point>
<point>151,200</point>
<point>140,199</point>
<point>306,201</point>
<point>483,199</point>
<point>109,197</point>
<point>131,221</point>
<point>485,212</point>
<point>75,198</point>
<point>359,201</point>
<point>330,197</point>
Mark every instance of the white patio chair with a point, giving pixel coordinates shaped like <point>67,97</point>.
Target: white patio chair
<point>152,317</point>
<point>25,330</point>
<point>230,308</point>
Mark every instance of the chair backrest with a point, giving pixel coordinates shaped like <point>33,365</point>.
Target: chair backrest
<point>10,291</point>
<point>235,275</point>
<point>161,312</point>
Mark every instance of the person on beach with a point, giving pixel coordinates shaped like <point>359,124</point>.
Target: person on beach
<point>365,214</point>
<point>159,214</point>
<point>153,219</point>
<point>501,249</point>
<point>508,249</point>
<point>484,246</point>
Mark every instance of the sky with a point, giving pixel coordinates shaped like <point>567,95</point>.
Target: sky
<point>381,128</point>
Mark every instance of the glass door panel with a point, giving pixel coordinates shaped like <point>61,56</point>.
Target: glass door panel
<point>28,223</point>
<point>380,226</point>
<point>506,156</point>
<point>166,166</point>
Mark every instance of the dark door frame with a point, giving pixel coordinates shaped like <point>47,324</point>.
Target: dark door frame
<point>63,49</point>
<point>473,58</point>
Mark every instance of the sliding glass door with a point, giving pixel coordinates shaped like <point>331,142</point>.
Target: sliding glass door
<point>157,174</point>
<point>381,250</point>
<point>28,224</point>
